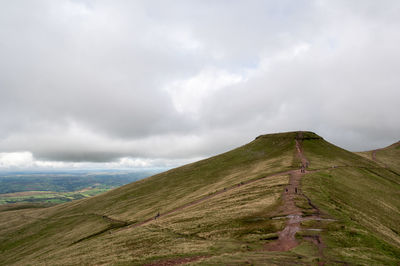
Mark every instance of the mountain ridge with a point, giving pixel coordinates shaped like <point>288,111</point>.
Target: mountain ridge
<point>242,205</point>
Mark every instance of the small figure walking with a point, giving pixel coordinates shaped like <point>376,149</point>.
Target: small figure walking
<point>158,215</point>
<point>286,190</point>
<point>295,190</point>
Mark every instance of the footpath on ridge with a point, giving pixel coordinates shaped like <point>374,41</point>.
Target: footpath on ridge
<point>287,237</point>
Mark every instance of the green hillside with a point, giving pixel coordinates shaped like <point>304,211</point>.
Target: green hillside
<point>386,157</point>
<point>363,196</point>
<point>228,209</point>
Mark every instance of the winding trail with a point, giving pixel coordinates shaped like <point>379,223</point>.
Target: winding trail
<point>373,155</point>
<point>287,237</point>
<point>299,148</point>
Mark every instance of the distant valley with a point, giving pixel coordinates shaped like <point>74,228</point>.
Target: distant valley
<point>25,189</point>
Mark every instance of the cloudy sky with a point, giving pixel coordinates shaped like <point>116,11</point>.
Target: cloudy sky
<point>159,83</point>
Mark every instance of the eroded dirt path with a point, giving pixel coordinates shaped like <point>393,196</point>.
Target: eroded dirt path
<point>373,155</point>
<point>300,153</point>
<point>287,237</point>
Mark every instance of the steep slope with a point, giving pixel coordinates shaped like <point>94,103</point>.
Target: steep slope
<point>249,205</point>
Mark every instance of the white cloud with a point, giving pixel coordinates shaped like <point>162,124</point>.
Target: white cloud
<point>26,161</point>
<point>15,159</point>
<point>188,95</point>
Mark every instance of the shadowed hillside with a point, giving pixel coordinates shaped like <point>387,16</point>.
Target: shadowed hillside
<point>249,205</point>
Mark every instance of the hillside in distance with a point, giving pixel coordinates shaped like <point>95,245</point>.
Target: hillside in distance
<point>386,157</point>
<point>287,198</point>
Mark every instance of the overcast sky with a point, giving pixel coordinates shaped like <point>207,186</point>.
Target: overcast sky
<point>159,83</point>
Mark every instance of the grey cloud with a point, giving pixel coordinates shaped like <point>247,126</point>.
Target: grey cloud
<point>79,156</point>
<point>87,80</point>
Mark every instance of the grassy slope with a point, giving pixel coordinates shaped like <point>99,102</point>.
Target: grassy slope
<point>233,226</point>
<point>141,200</point>
<point>363,196</point>
<point>390,156</point>
<point>386,157</point>
<point>323,154</point>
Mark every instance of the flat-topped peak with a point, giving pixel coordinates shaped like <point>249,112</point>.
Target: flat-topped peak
<point>292,135</point>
